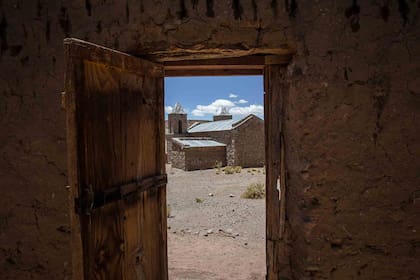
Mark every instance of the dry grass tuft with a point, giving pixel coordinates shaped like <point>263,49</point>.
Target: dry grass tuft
<point>254,191</point>
<point>232,169</point>
<point>238,169</point>
<point>229,170</point>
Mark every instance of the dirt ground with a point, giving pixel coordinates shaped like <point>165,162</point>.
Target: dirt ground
<point>212,232</point>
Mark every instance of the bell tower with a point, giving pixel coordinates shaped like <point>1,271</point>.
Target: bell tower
<point>177,120</point>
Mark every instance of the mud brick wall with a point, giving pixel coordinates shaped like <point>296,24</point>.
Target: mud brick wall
<point>204,157</point>
<point>351,121</point>
<point>352,141</point>
<point>225,137</point>
<point>249,144</point>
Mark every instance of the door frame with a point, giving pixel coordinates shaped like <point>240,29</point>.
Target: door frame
<point>273,69</point>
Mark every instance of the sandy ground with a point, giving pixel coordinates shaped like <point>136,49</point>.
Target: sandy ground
<point>215,237</point>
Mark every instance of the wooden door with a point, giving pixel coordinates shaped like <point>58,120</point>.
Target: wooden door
<point>115,134</point>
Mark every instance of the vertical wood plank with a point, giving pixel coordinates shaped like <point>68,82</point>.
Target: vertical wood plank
<point>275,170</point>
<point>72,162</point>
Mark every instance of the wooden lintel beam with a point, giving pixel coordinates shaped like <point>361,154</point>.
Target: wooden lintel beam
<point>277,59</point>
<point>229,61</point>
<point>245,65</point>
<point>213,72</point>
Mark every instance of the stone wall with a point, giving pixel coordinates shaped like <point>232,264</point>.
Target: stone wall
<point>177,123</point>
<point>249,143</point>
<point>204,157</point>
<point>177,156</point>
<point>351,121</point>
<point>225,137</point>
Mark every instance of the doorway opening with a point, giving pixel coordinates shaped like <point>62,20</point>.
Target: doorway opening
<point>216,177</point>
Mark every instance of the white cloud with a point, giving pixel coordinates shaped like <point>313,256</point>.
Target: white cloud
<point>168,109</point>
<point>251,109</point>
<point>232,95</point>
<point>214,108</point>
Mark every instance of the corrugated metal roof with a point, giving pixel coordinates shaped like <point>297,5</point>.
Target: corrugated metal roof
<point>191,142</point>
<point>213,126</point>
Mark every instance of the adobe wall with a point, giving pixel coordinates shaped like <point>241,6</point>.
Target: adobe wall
<point>352,141</point>
<point>225,137</point>
<point>351,121</point>
<point>204,157</point>
<point>249,144</point>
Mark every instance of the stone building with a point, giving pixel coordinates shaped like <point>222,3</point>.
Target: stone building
<point>350,123</point>
<point>191,153</point>
<point>243,141</point>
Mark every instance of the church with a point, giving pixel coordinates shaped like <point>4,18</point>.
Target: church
<point>203,144</point>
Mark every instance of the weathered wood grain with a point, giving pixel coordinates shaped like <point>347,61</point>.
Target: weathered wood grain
<point>118,101</point>
<point>72,162</point>
<point>275,165</point>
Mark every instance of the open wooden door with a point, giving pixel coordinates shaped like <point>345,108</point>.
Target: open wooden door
<point>115,134</point>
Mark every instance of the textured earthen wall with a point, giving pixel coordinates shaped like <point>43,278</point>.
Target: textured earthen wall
<point>352,141</point>
<point>249,143</point>
<point>204,157</point>
<point>225,137</point>
<point>351,123</point>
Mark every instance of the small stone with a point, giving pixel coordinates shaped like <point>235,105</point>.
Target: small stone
<point>246,243</point>
<point>231,195</point>
<point>236,234</point>
<point>229,230</point>
<point>210,231</point>
<point>210,194</point>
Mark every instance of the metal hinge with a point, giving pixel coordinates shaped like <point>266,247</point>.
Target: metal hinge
<point>90,199</point>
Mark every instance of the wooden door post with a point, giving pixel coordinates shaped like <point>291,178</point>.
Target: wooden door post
<point>275,87</point>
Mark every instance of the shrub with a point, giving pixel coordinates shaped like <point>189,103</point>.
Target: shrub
<point>168,211</point>
<point>229,170</point>
<point>199,200</point>
<point>254,191</point>
<point>218,164</point>
<point>238,169</point>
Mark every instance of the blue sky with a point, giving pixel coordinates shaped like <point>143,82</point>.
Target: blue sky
<point>201,97</point>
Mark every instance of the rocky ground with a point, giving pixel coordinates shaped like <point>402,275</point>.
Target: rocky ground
<point>213,233</point>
